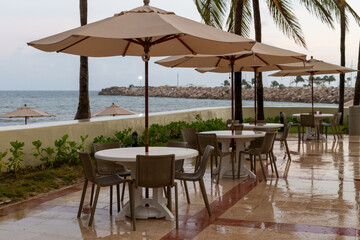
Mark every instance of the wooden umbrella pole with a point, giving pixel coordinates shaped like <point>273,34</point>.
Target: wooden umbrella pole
<point>255,100</point>
<point>26,118</point>
<point>232,96</point>
<point>146,106</point>
<point>312,93</point>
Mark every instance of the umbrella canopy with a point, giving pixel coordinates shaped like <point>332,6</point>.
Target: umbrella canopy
<point>261,57</point>
<point>319,67</point>
<point>144,31</point>
<point>25,112</point>
<point>113,110</point>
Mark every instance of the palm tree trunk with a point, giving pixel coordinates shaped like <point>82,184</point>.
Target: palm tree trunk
<point>357,83</point>
<point>342,61</point>
<point>83,111</point>
<point>238,87</point>
<point>260,89</point>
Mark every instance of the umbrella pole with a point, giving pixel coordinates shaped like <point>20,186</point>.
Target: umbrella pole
<point>232,96</point>
<point>146,106</point>
<point>312,93</point>
<point>255,100</point>
<point>26,118</point>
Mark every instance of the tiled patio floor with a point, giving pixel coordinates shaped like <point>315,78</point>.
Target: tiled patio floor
<point>319,199</point>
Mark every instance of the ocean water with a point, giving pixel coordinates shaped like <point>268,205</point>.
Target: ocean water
<point>63,104</point>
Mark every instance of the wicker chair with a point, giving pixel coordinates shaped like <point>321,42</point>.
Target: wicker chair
<point>229,122</point>
<point>283,115</point>
<point>283,139</point>
<point>104,168</point>
<point>331,125</point>
<point>198,175</point>
<point>308,120</point>
<point>157,172</point>
<point>266,148</point>
<point>203,140</point>
<point>110,180</point>
<point>337,124</point>
<point>189,136</point>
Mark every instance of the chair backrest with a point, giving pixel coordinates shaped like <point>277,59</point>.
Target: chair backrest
<point>189,137</point>
<point>204,160</point>
<point>179,163</point>
<point>228,123</point>
<point>88,168</point>
<point>106,167</point>
<point>177,144</point>
<point>204,139</point>
<point>338,118</point>
<point>155,171</point>
<point>268,142</point>
<point>238,127</point>
<point>286,130</point>
<point>307,120</point>
<point>283,116</point>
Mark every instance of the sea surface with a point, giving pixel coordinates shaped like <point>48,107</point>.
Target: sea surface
<point>64,104</point>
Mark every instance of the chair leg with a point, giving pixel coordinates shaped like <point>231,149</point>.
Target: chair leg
<point>272,168</point>
<point>123,191</point>
<point>211,165</point>
<point>262,167</point>
<point>253,159</point>
<point>203,192</point>
<point>287,150</point>
<point>82,198</point>
<point>333,132</point>
<point>239,164</point>
<point>94,205</point>
<point>186,192</point>
<point>132,205</point>
<point>118,197</point>
<point>111,202</point>
<point>92,194</point>
<point>299,133</point>
<point>232,166</point>
<point>272,160</point>
<point>176,206</point>
<point>219,169</point>
<point>169,202</point>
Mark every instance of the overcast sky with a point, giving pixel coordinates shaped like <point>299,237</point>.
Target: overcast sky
<point>26,68</point>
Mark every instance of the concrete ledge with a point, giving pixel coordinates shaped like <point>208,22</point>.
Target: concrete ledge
<point>49,132</point>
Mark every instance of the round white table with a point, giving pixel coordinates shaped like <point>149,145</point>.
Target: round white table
<point>317,118</point>
<point>240,137</point>
<point>145,207</point>
<point>266,127</point>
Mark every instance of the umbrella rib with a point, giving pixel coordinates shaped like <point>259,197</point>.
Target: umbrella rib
<point>164,39</point>
<point>126,48</point>
<point>72,44</point>
<point>242,56</point>
<point>185,60</point>
<point>218,62</point>
<point>183,43</point>
<point>262,60</point>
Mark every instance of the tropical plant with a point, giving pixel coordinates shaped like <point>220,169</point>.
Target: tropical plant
<point>226,83</point>
<point>2,164</point>
<point>124,137</point>
<point>83,110</point>
<point>297,80</point>
<point>44,154</point>
<point>274,84</point>
<point>17,154</point>
<point>245,84</point>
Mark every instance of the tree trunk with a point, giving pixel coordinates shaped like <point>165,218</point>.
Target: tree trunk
<point>238,87</point>
<point>342,62</point>
<point>260,89</point>
<point>357,83</point>
<point>83,111</point>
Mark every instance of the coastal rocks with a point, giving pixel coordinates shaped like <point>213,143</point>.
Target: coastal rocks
<point>290,94</point>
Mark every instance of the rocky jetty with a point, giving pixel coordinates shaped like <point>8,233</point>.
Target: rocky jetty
<point>290,94</point>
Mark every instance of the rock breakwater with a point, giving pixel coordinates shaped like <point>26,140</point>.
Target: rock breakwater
<point>290,94</point>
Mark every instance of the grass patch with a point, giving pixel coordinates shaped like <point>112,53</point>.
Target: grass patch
<point>31,183</point>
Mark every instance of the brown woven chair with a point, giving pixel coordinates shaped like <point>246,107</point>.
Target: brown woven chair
<point>266,148</point>
<point>283,139</point>
<point>198,175</point>
<point>307,120</point>
<point>337,124</point>
<point>189,136</point>
<point>104,168</point>
<point>228,123</point>
<point>283,115</point>
<point>110,180</point>
<point>331,125</point>
<point>157,172</point>
<point>203,140</point>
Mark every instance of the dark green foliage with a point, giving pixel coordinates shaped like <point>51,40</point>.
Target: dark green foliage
<point>15,160</point>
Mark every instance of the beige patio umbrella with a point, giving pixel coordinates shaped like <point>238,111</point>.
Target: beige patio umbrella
<point>113,110</point>
<point>144,31</point>
<point>26,112</point>
<point>319,67</point>
<point>262,57</point>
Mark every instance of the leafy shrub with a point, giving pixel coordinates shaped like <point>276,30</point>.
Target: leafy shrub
<point>2,165</point>
<point>15,160</point>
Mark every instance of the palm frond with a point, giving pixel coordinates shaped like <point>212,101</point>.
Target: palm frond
<point>320,9</point>
<point>286,20</point>
<point>355,15</point>
<point>212,12</point>
<point>245,21</point>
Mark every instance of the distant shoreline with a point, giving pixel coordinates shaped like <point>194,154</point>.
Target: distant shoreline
<point>290,94</point>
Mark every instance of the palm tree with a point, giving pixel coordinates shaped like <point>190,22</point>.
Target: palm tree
<point>357,83</point>
<point>83,111</point>
<point>340,8</point>
<point>212,13</point>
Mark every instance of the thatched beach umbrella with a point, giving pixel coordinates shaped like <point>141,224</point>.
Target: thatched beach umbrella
<point>261,57</point>
<point>113,110</point>
<point>26,112</point>
<point>144,31</point>
<point>319,67</point>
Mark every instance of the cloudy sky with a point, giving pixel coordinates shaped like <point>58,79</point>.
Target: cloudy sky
<point>25,68</point>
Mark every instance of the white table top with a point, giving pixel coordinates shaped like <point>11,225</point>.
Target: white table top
<point>248,126</point>
<point>129,154</point>
<point>323,115</point>
<point>237,134</point>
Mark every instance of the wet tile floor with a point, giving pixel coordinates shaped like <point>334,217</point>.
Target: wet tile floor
<point>316,197</point>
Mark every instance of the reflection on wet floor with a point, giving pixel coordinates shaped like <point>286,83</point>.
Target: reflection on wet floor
<point>316,197</point>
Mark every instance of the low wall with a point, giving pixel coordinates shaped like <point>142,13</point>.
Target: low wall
<point>47,133</point>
